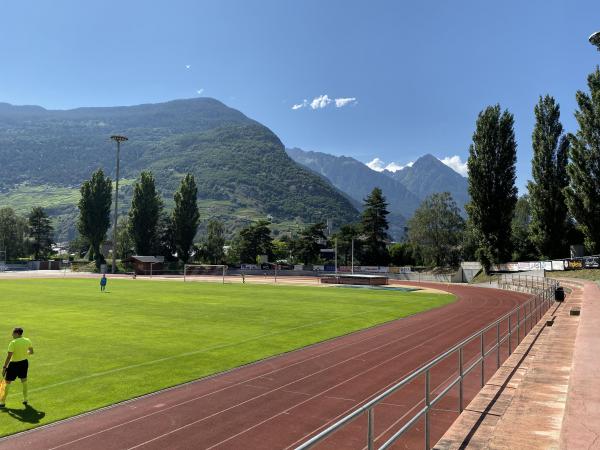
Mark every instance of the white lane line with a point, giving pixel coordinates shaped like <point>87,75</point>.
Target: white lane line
<point>293,406</point>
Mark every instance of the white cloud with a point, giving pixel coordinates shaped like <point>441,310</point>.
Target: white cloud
<point>200,91</point>
<point>323,101</point>
<point>456,164</point>
<point>188,66</point>
<point>341,102</point>
<point>379,165</point>
<point>320,102</point>
<point>300,105</point>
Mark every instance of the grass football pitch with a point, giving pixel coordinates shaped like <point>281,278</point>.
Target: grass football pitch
<point>94,349</point>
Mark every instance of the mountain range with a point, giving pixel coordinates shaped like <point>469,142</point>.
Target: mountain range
<point>404,189</point>
<point>241,167</point>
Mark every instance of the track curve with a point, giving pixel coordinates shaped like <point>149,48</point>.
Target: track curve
<point>279,402</point>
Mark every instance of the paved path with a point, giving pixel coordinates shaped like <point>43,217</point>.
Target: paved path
<point>279,402</point>
<point>581,427</point>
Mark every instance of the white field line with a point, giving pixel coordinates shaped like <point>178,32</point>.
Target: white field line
<point>181,355</point>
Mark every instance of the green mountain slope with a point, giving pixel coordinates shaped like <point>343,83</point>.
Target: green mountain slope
<point>241,168</point>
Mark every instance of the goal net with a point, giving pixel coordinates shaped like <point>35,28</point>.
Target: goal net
<point>204,270</point>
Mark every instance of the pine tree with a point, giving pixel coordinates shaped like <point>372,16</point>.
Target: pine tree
<point>40,231</point>
<point>186,217</point>
<point>374,226</point>
<point>146,207</point>
<point>94,212</point>
<point>549,221</point>
<point>491,165</point>
<point>583,192</point>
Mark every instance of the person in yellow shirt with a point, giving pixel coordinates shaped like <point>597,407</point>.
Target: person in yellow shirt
<point>16,363</point>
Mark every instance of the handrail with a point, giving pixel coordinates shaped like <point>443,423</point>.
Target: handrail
<point>532,309</point>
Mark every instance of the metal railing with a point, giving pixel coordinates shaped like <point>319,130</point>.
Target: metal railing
<point>527,315</point>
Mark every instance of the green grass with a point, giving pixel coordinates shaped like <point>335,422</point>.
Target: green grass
<point>482,277</point>
<point>94,349</point>
<point>584,274</point>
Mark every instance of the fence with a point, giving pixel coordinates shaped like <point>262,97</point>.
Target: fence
<point>518,323</point>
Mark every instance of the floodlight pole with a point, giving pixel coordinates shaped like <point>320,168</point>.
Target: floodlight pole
<point>352,256</point>
<point>118,140</point>
<point>595,40</point>
<point>336,256</point>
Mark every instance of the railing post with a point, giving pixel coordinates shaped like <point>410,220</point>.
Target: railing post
<point>428,405</point>
<point>460,384</point>
<point>370,428</point>
<point>510,331</point>
<point>482,362</point>
<point>498,345</point>
<point>518,325</point>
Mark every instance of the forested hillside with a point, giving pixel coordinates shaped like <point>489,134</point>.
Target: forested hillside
<point>241,168</point>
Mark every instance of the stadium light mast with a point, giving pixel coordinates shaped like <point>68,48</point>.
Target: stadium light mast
<point>118,139</point>
<point>595,40</point>
<point>352,256</point>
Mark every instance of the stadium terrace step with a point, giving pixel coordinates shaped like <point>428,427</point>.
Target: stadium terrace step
<point>544,396</point>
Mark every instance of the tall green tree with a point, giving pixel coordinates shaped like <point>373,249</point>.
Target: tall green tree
<point>146,207</point>
<point>253,241</point>
<point>186,217</point>
<point>94,212</point>
<point>374,226</point>
<point>436,228</point>
<point>307,246</point>
<point>41,233</point>
<point>583,192</point>
<point>491,166</point>
<point>13,234</point>
<point>215,240</point>
<point>549,215</point>
<point>523,247</point>
<point>125,243</point>
<point>165,242</point>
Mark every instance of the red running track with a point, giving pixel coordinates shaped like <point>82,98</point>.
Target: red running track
<point>277,403</point>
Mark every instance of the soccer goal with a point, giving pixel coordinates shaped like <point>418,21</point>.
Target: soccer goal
<point>206,270</point>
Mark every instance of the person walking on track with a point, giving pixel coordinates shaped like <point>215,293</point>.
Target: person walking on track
<point>16,364</point>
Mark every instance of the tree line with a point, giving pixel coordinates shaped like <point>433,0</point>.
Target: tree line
<point>148,229</point>
<point>28,236</point>
<point>561,207</point>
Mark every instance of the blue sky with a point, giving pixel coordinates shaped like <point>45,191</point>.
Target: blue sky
<point>419,72</point>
